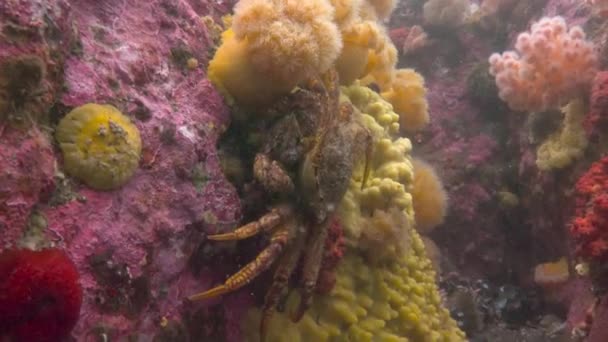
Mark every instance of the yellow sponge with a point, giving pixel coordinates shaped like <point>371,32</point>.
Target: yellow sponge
<point>100,146</point>
<point>388,301</point>
<point>391,172</point>
<point>565,146</point>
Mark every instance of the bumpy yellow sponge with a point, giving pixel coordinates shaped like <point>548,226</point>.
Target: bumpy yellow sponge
<point>388,299</point>
<point>396,301</point>
<point>100,146</point>
<point>408,97</point>
<point>563,147</point>
<point>391,171</point>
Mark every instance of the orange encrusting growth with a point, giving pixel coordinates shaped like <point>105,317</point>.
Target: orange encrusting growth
<point>552,273</point>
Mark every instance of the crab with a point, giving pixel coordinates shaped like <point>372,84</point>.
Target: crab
<point>307,161</point>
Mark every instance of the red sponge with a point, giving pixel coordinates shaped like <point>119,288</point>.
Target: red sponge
<point>40,295</point>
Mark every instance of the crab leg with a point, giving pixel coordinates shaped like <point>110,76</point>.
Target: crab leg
<point>264,223</point>
<point>310,271</point>
<point>280,280</point>
<point>278,241</point>
<point>271,175</point>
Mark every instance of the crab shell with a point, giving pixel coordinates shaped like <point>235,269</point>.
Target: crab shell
<point>327,169</point>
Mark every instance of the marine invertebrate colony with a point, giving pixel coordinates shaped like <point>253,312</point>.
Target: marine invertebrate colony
<point>100,146</point>
<point>492,7</point>
<point>552,273</point>
<point>553,65</point>
<point>272,46</point>
<point>324,170</point>
<point>429,198</point>
<point>387,301</point>
<point>359,38</point>
<point>40,295</point>
<point>566,145</point>
<point>415,40</point>
<point>407,94</point>
<point>589,227</point>
<point>445,13</point>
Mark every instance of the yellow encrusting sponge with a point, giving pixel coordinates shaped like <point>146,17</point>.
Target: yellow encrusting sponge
<point>566,145</point>
<point>391,172</point>
<point>386,301</point>
<point>101,147</point>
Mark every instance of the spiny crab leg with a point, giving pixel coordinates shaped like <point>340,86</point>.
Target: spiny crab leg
<point>264,223</point>
<point>278,241</point>
<point>310,270</point>
<point>280,280</point>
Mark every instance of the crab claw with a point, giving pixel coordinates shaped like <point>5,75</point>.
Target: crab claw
<point>298,314</point>
<point>305,303</point>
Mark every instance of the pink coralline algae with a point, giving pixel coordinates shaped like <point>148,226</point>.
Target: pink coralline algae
<point>30,69</point>
<point>409,39</point>
<point>132,246</point>
<point>27,168</point>
<point>596,120</point>
<point>398,35</point>
<point>492,7</point>
<point>600,6</point>
<point>34,37</point>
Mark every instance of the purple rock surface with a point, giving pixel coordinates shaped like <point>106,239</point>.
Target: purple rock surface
<point>133,246</point>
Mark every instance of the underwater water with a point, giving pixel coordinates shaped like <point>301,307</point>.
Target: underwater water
<point>304,170</point>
